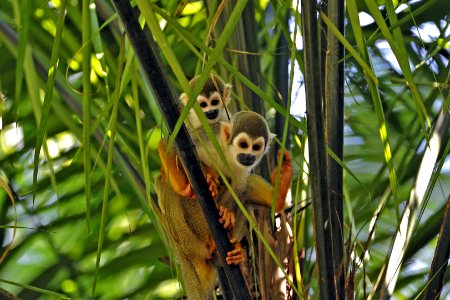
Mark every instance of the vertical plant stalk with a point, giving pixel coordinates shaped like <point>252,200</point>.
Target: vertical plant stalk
<point>87,90</point>
<point>281,81</point>
<point>440,259</point>
<point>144,49</point>
<point>334,112</point>
<point>283,78</point>
<point>249,37</point>
<point>317,152</point>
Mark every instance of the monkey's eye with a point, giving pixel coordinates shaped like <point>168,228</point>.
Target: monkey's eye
<point>243,144</point>
<point>203,104</point>
<point>215,102</point>
<point>256,147</point>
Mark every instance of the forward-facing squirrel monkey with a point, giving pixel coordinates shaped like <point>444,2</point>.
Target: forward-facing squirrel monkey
<point>213,99</point>
<point>243,142</point>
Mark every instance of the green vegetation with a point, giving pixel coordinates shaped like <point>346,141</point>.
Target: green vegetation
<point>79,129</point>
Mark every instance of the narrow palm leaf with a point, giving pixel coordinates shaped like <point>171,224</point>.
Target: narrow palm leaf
<point>398,48</point>
<point>108,175</point>
<point>87,90</point>
<point>36,289</point>
<point>23,17</point>
<point>48,92</point>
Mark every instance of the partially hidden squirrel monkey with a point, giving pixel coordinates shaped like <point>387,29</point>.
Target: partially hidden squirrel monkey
<point>243,142</point>
<point>182,218</point>
<point>213,99</point>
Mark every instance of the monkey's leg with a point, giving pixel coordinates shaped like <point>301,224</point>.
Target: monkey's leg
<point>207,275</point>
<point>259,191</point>
<point>173,169</point>
<point>199,277</point>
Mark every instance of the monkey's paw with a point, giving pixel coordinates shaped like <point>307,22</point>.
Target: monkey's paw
<point>213,181</point>
<point>236,256</point>
<point>227,218</point>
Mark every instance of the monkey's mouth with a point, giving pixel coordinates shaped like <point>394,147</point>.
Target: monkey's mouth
<point>212,114</point>
<point>246,159</point>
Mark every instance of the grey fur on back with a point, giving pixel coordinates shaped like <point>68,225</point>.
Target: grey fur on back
<point>186,231</point>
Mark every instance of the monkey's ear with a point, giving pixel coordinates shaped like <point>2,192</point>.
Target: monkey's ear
<point>227,93</point>
<point>184,98</point>
<point>225,131</point>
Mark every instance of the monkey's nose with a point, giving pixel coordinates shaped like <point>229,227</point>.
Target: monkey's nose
<point>246,159</point>
<point>211,114</point>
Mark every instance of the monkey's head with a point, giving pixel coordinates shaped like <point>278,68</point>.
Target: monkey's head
<point>213,99</point>
<point>247,137</point>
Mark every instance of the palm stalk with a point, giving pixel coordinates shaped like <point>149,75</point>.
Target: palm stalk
<point>334,111</point>
<point>317,152</point>
<point>145,48</point>
<point>86,36</point>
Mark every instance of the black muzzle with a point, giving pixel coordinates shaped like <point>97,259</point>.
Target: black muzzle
<point>212,114</point>
<point>246,159</point>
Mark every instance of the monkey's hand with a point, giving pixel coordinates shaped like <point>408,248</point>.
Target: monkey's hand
<point>187,192</point>
<point>236,256</point>
<point>227,218</point>
<point>212,179</point>
<point>286,175</point>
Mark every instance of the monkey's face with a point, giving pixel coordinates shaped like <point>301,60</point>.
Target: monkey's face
<point>247,151</point>
<point>212,106</point>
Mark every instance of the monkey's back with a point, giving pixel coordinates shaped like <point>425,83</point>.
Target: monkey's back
<point>188,235</point>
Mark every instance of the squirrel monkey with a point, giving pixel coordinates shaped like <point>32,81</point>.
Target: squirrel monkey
<point>244,141</point>
<point>213,99</point>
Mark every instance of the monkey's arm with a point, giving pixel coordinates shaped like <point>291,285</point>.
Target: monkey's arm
<point>260,192</point>
<point>173,169</point>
